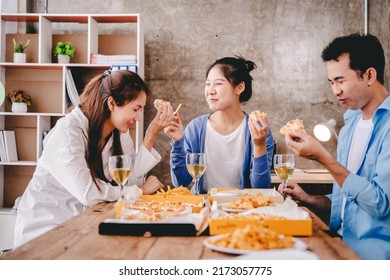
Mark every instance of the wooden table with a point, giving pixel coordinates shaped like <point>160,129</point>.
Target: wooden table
<point>78,239</point>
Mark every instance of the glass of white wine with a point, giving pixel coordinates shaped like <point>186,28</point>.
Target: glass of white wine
<point>120,169</point>
<point>284,165</point>
<point>196,166</point>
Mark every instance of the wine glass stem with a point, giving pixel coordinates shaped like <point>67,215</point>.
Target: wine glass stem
<point>196,186</point>
<point>122,195</point>
<point>284,182</point>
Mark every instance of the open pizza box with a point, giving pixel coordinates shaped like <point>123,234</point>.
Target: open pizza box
<point>285,218</point>
<point>224,195</point>
<point>179,220</point>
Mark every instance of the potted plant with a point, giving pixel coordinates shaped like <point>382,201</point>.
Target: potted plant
<point>19,101</point>
<point>64,51</point>
<point>19,55</point>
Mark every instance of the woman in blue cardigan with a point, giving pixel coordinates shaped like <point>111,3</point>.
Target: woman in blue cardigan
<point>238,149</point>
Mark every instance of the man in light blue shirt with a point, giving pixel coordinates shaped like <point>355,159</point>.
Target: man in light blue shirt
<point>360,201</point>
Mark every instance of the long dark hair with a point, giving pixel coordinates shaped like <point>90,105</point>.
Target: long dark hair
<point>123,86</point>
<point>236,70</point>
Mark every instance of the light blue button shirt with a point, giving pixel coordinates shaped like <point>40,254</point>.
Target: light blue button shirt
<point>366,227</point>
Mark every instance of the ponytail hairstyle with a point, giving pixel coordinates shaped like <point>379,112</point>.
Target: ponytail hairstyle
<point>236,70</point>
<point>123,86</point>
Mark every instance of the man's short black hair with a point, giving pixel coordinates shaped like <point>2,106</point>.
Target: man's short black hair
<point>364,51</point>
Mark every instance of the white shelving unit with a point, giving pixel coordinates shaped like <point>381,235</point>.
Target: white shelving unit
<point>44,79</point>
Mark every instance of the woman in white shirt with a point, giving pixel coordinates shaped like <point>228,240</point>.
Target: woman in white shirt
<point>72,173</point>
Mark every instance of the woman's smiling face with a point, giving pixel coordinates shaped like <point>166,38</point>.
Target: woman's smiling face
<point>219,92</point>
<point>126,116</point>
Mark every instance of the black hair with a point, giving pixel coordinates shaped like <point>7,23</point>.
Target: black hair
<point>364,51</point>
<point>236,70</point>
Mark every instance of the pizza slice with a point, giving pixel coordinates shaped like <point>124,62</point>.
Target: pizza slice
<point>292,126</point>
<point>256,115</point>
<point>158,103</point>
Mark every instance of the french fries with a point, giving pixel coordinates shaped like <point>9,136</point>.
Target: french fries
<point>174,191</point>
<point>177,109</point>
<point>253,238</point>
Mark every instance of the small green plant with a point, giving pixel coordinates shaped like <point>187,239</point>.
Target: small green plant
<point>64,48</point>
<point>19,48</point>
<point>19,96</point>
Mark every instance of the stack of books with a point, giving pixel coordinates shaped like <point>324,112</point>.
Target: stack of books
<point>113,59</point>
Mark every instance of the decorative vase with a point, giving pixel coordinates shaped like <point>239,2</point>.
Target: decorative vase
<point>63,58</point>
<point>19,107</point>
<point>19,57</point>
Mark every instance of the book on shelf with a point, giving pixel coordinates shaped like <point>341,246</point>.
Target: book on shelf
<point>132,68</point>
<point>3,157</point>
<point>10,145</point>
<point>8,150</point>
<point>71,88</point>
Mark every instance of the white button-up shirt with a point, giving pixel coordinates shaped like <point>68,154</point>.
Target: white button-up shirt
<point>62,185</point>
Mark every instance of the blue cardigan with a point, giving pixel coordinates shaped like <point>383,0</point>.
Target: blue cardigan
<point>255,171</point>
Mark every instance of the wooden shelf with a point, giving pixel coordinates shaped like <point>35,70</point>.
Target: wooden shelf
<point>44,79</point>
<point>20,17</point>
<point>11,65</point>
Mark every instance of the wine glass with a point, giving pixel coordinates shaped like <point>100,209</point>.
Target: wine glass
<point>120,169</point>
<point>196,166</point>
<point>284,167</point>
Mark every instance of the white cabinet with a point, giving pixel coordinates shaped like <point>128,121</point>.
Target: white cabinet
<point>44,79</point>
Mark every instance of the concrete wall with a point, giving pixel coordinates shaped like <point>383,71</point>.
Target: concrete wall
<point>283,37</point>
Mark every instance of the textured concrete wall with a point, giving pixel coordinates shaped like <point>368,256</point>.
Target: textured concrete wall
<point>283,37</point>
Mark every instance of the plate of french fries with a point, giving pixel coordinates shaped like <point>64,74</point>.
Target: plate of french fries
<point>250,239</point>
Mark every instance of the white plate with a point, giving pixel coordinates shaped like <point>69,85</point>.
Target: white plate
<point>282,254</point>
<point>299,244</point>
